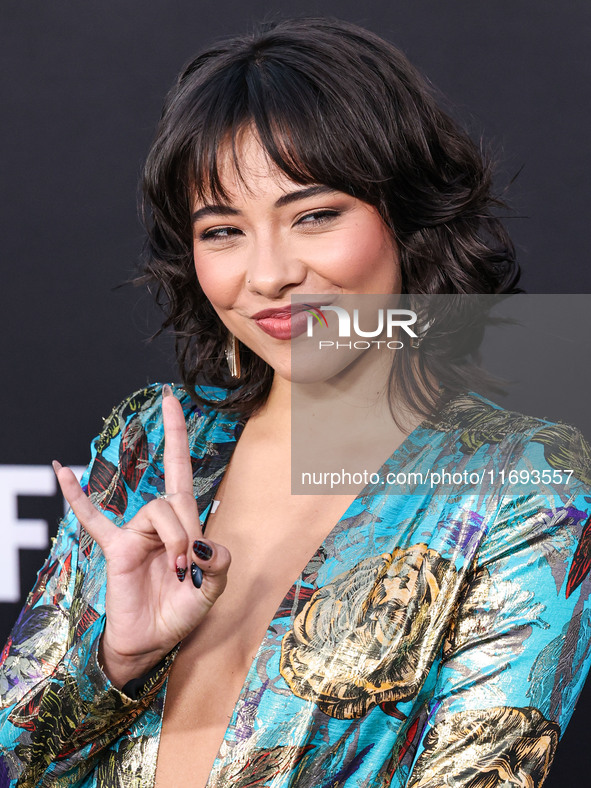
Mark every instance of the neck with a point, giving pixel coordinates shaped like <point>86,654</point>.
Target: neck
<point>349,407</point>
<point>274,418</point>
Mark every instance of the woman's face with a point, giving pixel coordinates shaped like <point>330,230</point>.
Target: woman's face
<point>274,239</point>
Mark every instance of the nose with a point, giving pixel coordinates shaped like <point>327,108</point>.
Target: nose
<point>273,269</point>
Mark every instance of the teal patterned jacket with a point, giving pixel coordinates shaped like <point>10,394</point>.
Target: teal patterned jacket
<point>434,638</point>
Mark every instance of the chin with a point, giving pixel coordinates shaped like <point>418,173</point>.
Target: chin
<point>303,373</point>
<point>320,368</point>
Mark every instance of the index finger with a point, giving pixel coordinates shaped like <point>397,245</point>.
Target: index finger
<point>178,472</point>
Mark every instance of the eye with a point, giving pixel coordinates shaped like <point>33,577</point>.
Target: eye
<point>219,233</point>
<point>315,218</point>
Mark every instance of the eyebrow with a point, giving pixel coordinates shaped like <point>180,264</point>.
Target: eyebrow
<point>219,209</point>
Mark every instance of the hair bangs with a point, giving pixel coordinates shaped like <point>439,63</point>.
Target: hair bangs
<point>283,109</point>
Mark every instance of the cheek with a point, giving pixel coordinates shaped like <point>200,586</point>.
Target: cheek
<point>366,260</point>
<point>216,282</point>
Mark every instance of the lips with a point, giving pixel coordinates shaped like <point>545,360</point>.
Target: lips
<point>283,325</point>
<point>288,310</point>
<point>285,322</point>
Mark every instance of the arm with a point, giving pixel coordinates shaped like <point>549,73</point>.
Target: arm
<point>519,650</point>
<point>58,709</point>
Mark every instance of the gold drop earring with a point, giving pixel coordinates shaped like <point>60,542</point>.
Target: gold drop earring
<point>232,352</point>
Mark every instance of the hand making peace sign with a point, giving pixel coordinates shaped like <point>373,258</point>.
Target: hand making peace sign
<point>149,609</point>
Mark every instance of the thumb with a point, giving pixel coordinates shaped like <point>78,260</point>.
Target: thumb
<point>209,567</point>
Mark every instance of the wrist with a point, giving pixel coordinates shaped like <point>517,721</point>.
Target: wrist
<point>121,669</point>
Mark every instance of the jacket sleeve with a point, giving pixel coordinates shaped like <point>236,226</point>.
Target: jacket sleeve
<point>519,649</point>
<point>58,710</point>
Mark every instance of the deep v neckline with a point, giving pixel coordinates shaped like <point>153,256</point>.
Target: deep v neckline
<point>392,462</point>
<point>208,499</point>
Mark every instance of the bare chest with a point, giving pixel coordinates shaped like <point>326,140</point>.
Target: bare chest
<point>271,536</point>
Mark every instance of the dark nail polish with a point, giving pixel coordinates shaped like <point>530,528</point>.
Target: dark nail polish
<point>202,550</point>
<point>196,575</point>
<point>180,573</point>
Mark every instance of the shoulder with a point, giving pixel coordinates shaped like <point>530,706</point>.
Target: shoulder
<point>126,465</point>
<point>128,451</point>
<point>539,473</point>
<point>482,428</point>
<point>141,412</point>
<point>533,474</point>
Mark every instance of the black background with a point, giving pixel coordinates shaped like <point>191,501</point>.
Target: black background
<point>82,86</point>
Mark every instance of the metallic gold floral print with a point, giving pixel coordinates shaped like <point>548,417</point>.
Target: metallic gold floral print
<point>501,747</point>
<point>360,640</point>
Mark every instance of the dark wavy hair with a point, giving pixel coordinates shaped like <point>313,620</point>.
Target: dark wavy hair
<point>333,104</point>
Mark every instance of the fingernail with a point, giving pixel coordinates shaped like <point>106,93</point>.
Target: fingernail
<point>166,390</point>
<point>57,466</point>
<point>202,550</point>
<point>181,567</point>
<point>196,575</point>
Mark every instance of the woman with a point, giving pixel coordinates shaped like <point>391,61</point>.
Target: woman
<point>431,639</point>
